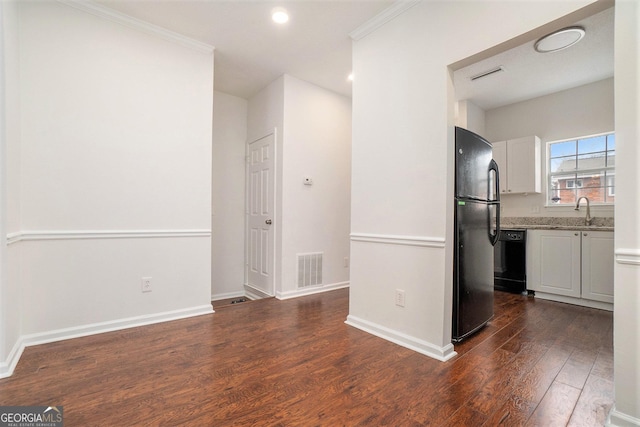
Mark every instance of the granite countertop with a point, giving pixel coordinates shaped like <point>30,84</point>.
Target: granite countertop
<point>557,223</point>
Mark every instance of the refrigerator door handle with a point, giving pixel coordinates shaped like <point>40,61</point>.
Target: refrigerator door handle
<point>493,166</point>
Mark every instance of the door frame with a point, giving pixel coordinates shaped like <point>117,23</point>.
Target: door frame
<point>250,290</point>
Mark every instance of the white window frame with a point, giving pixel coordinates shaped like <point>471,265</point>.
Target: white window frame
<point>611,189</point>
<point>548,178</point>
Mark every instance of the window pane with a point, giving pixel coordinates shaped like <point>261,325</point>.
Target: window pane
<point>611,158</point>
<point>560,149</point>
<point>562,189</point>
<point>592,145</point>
<point>567,197</point>
<point>611,187</point>
<point>563,164</point>
<point>591,161</point>
<point>611,142</point>
<point>595,195</point>
<point>595,180</point>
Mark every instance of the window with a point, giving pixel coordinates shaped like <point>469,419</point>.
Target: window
<point>582,167</point>
<point>574,183</point>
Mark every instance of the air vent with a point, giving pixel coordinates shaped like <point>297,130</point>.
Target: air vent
<point>487,73</point>
<point>309,269</point>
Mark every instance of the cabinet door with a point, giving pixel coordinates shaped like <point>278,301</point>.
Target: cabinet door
<point>553,262</point>
<point>500,156</point>
<point>597,265</point>
<point>524,165</point>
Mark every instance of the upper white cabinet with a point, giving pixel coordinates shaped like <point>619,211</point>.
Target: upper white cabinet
<point>520,165</point>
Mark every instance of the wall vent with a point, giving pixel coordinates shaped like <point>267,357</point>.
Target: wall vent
<point>487,73</point>
<point>309,269</point>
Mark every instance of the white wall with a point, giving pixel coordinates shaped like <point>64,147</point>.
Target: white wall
<point>471,117</point>
<point>115,173</point>
<point>266,114</point>
<point>627,236</point>
<point>403,119</point>
<point>313,139</point>
<point>316,218</point>
<point>227,228</point>
<point>10,312</point>
<point>581,111</point>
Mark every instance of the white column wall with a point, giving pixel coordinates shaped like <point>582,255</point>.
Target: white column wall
<point>316,218</point>
<point>115,174</point>
<point>402,142</point>
<point>10,308</point>
<point>227,228</point>
<point>626,323</point>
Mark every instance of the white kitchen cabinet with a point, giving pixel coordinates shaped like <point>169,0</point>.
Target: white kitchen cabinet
<point>571,266</point>
<point>520,165</point>
<point>553,258</point>
<point>597,265</point>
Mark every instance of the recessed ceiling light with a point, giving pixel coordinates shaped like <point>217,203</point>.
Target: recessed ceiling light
<point>559,40</point>
<point>279,15</point>
<point>350,78</point>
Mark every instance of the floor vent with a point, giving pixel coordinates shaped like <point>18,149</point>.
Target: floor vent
<point>309,270</point>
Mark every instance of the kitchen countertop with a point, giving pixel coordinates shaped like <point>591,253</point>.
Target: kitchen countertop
<point>557,223</point>
<point>556,227</point>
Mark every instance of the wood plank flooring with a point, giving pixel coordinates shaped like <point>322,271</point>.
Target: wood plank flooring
<point>296,363</point>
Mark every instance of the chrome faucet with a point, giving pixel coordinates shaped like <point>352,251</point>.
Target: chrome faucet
<point>587,219</point>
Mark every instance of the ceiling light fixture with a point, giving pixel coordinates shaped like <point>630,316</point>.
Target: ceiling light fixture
<point>559,40</point>
<point>279,15</point>
<point>350,78</point>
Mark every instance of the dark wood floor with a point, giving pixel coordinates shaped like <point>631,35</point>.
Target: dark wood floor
<point>295,363</point>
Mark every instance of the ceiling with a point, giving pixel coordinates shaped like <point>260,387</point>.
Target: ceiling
<point>251,51</point>
<point>528,74</point>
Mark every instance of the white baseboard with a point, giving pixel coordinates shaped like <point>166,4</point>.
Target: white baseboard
<point>311,290</point>
<point>423,347</point>
<point>575,301</point>
<point>618,419</point>
<point>253,293</point>
<point>7,368</point>
<point>227,295</point>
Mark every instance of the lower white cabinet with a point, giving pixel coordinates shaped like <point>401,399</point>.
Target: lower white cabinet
<point>597,265</point>
<point>575,265</point>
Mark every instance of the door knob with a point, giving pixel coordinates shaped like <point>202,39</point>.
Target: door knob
<point>268,222</point>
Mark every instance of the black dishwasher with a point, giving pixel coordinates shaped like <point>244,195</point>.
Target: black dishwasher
<point>510,255</point>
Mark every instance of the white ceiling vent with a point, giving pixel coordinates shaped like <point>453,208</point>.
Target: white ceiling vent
<point>487,73</point>
<point>309,269</point>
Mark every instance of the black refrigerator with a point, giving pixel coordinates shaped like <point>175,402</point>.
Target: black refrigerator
<point>477,225</point>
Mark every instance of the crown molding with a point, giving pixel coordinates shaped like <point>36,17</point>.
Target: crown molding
<point>137,24</point>
<point>390,13</point>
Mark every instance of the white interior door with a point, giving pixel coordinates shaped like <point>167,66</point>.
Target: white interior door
<point>260,212</point>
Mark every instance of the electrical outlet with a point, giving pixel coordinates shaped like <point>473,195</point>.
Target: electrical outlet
<point>146,284</point>
<point>400,297</point>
